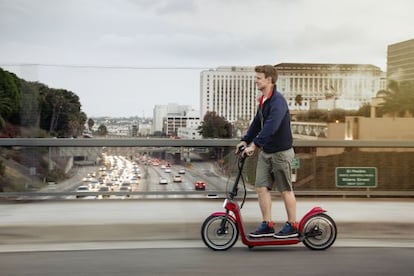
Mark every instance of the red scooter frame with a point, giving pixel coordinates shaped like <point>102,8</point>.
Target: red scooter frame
<point>220,230</point>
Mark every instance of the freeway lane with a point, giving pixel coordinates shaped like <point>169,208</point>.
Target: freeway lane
<point>339,261</point>
<point>204,171</point>
<point>149,181</point>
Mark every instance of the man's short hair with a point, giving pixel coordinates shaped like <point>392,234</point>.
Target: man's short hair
<point>268,71</point>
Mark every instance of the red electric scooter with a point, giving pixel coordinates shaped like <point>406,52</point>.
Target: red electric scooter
<point>221,230</point>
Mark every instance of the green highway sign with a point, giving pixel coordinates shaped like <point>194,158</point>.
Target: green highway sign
<point>356,177</point>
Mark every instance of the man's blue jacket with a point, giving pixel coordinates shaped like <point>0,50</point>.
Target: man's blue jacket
<point>270,129</point>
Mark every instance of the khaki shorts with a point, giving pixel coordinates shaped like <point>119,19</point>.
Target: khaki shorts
<point>274,169</point>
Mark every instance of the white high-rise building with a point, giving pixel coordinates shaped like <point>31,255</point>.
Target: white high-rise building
<point>230,92</point>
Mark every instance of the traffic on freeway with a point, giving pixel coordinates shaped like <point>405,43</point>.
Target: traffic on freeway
<point>146,174</point>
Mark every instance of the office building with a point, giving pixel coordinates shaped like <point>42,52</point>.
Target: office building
<point>229,91</point>
<point>400,61</point>
<point>169,118</point>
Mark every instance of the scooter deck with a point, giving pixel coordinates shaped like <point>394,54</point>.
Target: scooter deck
<point>260,241</point>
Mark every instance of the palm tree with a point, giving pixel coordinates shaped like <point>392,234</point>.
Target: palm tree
<point>91,123</point>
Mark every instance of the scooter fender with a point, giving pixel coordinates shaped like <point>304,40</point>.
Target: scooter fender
<point>219,214</point>
<point>314,211</point>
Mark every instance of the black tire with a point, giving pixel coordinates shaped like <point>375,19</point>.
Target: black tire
<point>319,232</point>
<point>210,233</point>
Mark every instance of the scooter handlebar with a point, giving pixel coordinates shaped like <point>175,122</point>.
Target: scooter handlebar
<point>240,149</point>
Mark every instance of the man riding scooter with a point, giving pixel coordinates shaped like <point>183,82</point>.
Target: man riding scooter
<point>271,135</point>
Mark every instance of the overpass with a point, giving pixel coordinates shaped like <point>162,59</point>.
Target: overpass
<point>307,150</point>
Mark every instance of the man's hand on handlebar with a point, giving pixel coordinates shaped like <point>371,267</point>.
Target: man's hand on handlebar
<point>249,151</point>
<point>245,150</point>
<point>240,147</point>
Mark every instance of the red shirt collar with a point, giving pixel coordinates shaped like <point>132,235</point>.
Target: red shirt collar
<point>262,98</point>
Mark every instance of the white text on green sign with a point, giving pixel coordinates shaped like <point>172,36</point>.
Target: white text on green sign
<point>356,177</point>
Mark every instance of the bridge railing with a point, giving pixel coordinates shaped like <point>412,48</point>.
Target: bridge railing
<point>319,165</point>
<point>310,129</point>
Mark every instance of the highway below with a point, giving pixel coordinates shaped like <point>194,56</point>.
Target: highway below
<point>147,185</point>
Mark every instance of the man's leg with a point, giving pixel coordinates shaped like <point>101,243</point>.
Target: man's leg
<point>265,203</point>
<point>265,229</point>
<point>264,198</point>
<point>290,205</point>
<point>290,229</point>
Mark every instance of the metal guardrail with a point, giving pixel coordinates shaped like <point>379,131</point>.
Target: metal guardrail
<point>164,142</point>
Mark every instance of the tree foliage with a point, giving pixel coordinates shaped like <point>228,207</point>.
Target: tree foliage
<point>298,100</point>
<point>5,108</point>
<point>29,105</point>
<point>34,105</point>
<point>91,123</point>
<point>102,130</point>
<point>324,115</point>
<point>9,97</point>
<point>60,112</point>
<point>214,126</point>
<point>364,110</point>
<point>398,99</point>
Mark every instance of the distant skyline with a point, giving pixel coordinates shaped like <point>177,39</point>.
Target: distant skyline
<point>124,57</point>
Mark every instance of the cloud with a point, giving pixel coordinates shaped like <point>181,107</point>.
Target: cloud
<point>187,33</point>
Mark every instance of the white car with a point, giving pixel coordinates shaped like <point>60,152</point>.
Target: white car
<point>80,189</point>
<point>177,178</point>
<point>181,171</point>
<point>163,180</point>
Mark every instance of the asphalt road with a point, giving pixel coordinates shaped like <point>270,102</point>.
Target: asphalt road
<point>296,260</point>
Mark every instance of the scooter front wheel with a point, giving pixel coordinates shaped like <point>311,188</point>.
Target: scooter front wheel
<point>319,232</point>
<point>219,232</point>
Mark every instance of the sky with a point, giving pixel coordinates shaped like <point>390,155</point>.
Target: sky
<point>123,57</point>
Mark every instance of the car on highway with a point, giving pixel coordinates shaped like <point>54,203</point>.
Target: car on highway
<point>163,181</point>
<point>167,170</point>
<point>126,186</point>
<point>125,189</point>
<point>177,179</point>
<point>200,185</point>
<point>181,171</point>
<point>102,190</point>
<point>82,189</point>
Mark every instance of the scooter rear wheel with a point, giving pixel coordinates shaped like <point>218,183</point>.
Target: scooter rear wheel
<point>217,237</point>
<point>319,232</point>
